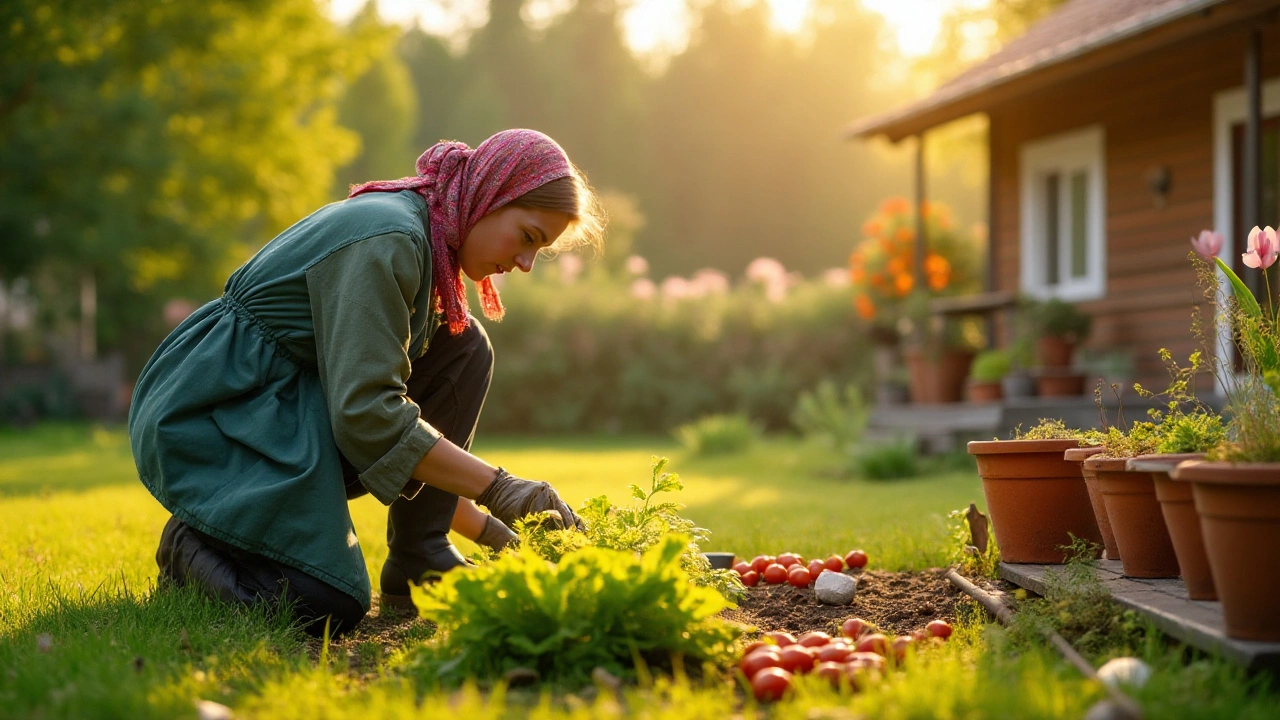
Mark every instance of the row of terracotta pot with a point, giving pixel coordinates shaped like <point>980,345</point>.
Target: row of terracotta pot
<point>1215,524</point>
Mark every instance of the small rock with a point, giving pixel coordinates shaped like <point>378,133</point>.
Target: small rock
<point>834,588</point>
<point>1124,671</point>
<point>210,710</point>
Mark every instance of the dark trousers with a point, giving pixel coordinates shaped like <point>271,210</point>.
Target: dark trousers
<point>448,383</point>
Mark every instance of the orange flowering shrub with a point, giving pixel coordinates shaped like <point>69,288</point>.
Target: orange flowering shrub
<point>882,266</point>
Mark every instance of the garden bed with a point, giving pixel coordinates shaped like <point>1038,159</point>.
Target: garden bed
<point>896,602</point>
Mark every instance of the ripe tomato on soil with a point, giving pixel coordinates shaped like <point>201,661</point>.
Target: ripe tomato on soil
<point>834,563</point>
<point>742,567</point>
<point>834,652</point>
<point>770,684</point>
<point>760,562</point>
<point>875,642</point>
<point>798,576</point>
<point>758,660</point>
<point>779,638</point>
<point>815,568</point>
<point>853,628</point>
<point>775,574</point>
<point>797,659</point>
<point>833,672</point>
<point>814,638</point>
<point>938,629</point>
<point>856,559</point>
<point>750,578</point>
<point>787,559</point>
<point>900,645</point>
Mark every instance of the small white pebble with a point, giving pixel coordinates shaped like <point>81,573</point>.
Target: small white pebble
<point>210,710</point>
<point>1124,671</point>
<point>834,588</point>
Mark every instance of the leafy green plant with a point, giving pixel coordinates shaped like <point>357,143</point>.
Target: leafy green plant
<point>839,419</point>
<point>597,607</point>
<point>990,365</point>
<point>718,434</point>
<point>1053,429</point>
<point>887,461</point>
<point>1058,318</point>
<point>636,528</point>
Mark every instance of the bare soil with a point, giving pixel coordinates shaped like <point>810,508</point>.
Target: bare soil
<point>895,602</point>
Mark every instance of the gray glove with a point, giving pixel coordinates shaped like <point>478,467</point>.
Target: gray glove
<point>496,535</point>
<point>509,498</point>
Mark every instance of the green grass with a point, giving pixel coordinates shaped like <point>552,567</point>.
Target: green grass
<point>83,633</point>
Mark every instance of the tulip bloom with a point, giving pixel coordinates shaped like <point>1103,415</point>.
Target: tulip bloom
<point>1262,248</point>
<point>1208,244</point>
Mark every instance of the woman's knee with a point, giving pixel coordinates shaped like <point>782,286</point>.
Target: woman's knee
<point>481,349</point>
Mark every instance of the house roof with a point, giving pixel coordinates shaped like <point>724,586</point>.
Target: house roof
<point>1076,29</point>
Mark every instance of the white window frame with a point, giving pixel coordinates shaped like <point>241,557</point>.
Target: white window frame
<point>1067,153</point>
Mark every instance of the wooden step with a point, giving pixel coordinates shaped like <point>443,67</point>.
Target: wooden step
<point>1195,622</point>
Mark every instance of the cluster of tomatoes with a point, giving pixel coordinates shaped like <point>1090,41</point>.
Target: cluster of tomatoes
<point>791,568</point>
<point>858,656</point>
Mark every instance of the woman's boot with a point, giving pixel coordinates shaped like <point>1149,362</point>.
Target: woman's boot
<point>418,538</point>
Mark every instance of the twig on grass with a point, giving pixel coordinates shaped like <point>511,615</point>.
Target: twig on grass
<point>1004,614</point>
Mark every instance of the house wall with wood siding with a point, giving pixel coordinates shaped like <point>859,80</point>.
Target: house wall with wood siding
<point>1156,109</point>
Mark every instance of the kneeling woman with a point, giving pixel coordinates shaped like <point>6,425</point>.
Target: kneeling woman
<point>341,360</point>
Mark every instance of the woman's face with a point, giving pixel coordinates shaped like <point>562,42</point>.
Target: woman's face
<point>508,239</point>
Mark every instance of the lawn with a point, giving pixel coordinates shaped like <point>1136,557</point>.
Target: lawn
<point>83,635</point>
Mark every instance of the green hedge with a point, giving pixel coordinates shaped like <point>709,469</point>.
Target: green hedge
<point>590,355</point>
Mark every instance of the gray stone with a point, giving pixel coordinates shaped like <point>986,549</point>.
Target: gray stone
<point>834,588</point>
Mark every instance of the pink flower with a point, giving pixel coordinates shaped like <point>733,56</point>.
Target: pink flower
<point>637,265</point>
<point>1208,244</point>
<point>643,288</point>
<point>1262,248</point>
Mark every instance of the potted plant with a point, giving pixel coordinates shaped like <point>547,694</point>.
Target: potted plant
<point>985,374</point>
<point>1061,326</point>
<point>1036,498</point>
<point>1018,382</point>
<point>936,352</point>
<point>1237,488</point>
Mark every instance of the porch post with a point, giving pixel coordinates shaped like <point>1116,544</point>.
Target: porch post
<point>1251,192</point>
<point>920,226</point>
<point>990,280</point>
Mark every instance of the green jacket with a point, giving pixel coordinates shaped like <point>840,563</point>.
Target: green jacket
<point>238,418</point>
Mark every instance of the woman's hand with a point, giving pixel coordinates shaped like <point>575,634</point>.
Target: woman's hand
<point>510,498</point>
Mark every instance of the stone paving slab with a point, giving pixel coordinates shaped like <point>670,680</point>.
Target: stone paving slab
<point>1195,622</point>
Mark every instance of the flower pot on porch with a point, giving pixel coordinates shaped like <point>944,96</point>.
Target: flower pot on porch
<point>984,392</point>
<point>1037,500</point>
<point>937,377</point>
<point>1079,455</point>
<point>1018,384</point>
<point>1136,521</point>
<point>1054,351</point>
<point>1178,506</point>
<point>1059,382</point>
<point>1239,508</point>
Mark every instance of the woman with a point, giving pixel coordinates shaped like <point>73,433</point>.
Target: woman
<point>341,359</point>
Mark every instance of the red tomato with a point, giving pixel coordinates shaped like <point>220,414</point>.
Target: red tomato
<point>779,638</point>
<point>742,567</point>
<point>834,652</point>
<point>855,627</point>
<point>798,576</point>
<point>761,562</point>
<point>775,574</point>
<point>759,660</point>
<point>770,684</point>
<point>864,660</point>
<point>787,559</point>
<point>797,659</point>
<point>815,638</point>
<point>875,642</point>
<point>834,563</point>
<point>856,559</point>
<point>833,672</point>
<point>756,645</point>
<point>750,578</point>
<point>938,629</point>
<point>900,645</point>
<point>815,568</point>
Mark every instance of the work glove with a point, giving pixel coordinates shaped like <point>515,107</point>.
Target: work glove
<point>510,498</point>
<point>496,535</point>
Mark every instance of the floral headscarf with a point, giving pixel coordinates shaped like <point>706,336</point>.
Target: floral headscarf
<point>461,186</point>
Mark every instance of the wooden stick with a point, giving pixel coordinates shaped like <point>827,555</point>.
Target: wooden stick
<point>1004,614</point>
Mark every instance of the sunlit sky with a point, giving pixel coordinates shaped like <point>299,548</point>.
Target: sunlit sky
<point>658,25</point>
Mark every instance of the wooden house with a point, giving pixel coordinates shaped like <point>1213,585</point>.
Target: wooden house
<point>1118,129</point>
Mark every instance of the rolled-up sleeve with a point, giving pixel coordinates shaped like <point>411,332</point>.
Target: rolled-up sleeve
<point>361,298</point>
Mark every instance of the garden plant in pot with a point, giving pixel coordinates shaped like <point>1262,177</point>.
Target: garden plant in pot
<point>1036,498</point>
<point>1237,488</point>
<point>985,375</point>
<point>1060,327</point>
<point>1018,382</point>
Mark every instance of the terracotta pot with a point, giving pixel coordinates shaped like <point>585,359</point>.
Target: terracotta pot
<point>937,377</point>
<point>1239,507</point>
<point>984,392</point>
<point>1054,383</point>
<point>1036,499</point>
<point>1179,509</point>
<point>1130,497</point>
<point>1079,455</point>
<point>1054,351</point>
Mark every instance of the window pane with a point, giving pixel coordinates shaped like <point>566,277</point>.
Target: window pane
<point>1051,221</point>
<point>1079,224</point>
